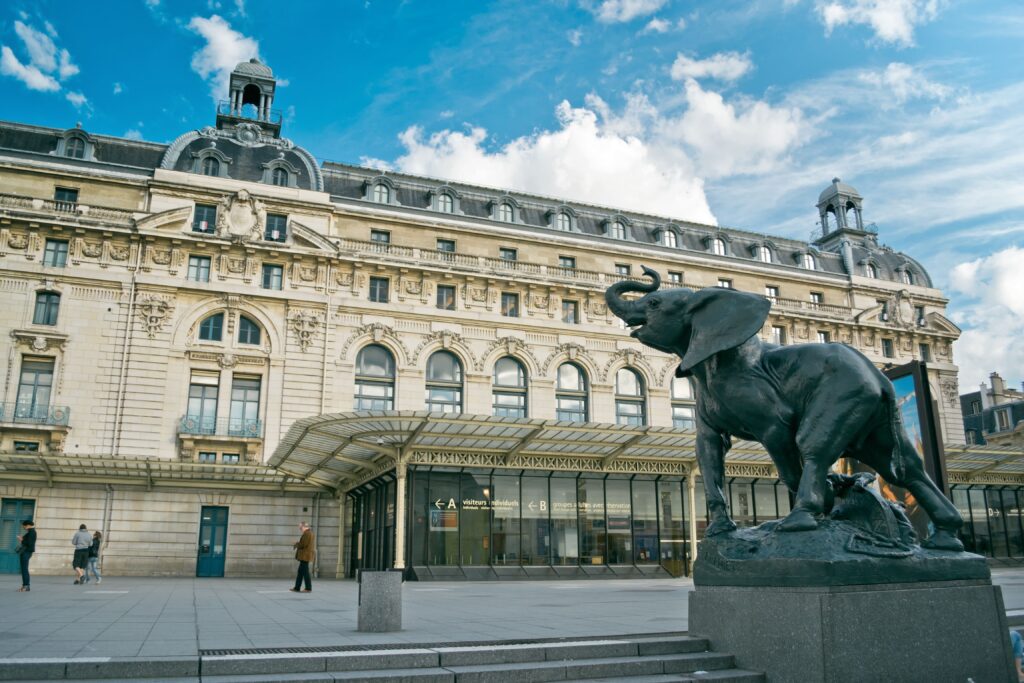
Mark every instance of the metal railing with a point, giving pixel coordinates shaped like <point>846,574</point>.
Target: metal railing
<point>249,112</point>
<point>208,426</point>
<point>27,413</point>
<point>76,209</point>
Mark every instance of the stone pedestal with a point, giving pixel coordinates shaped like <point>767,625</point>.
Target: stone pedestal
<point>923,631</point>
<point>380,601</point>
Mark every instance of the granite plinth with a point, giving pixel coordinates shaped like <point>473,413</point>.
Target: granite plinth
<point>837,553</point>
<point>380,601</point>
<point>927,632</point>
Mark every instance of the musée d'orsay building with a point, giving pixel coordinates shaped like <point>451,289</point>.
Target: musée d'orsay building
<point>210,340</point>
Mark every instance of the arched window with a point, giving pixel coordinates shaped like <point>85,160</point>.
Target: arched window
<point>381,193</point>
<point>718,246</point>
<point>871,271</point>
<point>47,307</point>
<point>682,403</point>
<point>279,176</point>
<point>74,148</point>
<point>617,230</point>
<point>851,217</point>
<point>212,329</point>
<point>375,379</point>
<point>669,239</point>
<point>445,203</point>
<point>764,254</point>
<point>563,222</point>
<point>906,277</point>
<point>248,331</point>
<point>571,394</point>
<point>509,388</point>
<point>211,166</point>
<point>505,212</point>
<point>830,221</point>
<point>808,261</point>
<point>444,383</point>
<point>629,398</point>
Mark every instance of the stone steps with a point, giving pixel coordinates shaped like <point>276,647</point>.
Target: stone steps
<point>644,659</point>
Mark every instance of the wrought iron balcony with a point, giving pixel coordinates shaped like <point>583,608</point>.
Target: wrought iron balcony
<point>26,413</point>
<point>202,425</point>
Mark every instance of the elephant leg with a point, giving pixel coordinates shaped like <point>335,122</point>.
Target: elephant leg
<point>824,434</point>
<point>784,453</point>
<point>711,449</point>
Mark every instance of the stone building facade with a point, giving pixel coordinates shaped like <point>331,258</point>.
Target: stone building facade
<point>171,311</point>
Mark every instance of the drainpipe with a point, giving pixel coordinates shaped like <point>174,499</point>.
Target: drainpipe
<point>316,535</point>
<point>327,323</point>
<point>122,379</point>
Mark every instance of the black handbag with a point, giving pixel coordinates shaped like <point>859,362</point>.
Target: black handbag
<point>19,549</point>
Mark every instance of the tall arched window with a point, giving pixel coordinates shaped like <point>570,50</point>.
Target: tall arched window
<point>669,239</point>
<point>830,221</point>
<point>682,403</point>
<point>851,217</point>
<point>212,329</point>
<point>618,230</point>
<point>571,394</point>
<point>445,203</point>
<point>444,383</point>
<point>629,398</point>
<point>75,148</point>
<point>279,176</point>
<point>505,212</point>
<point>248,331</point>
<point>375,379</point>
<point>381,193</point>
<point>563,222</point>
<point>718,246</point>
<point>211,166</point>
<point>871,271</point>
<point>47,307</point>
<point>808,261</point>
<point>509,388</point>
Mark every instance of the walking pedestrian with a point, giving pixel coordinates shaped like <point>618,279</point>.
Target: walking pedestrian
<point>81,540</point>
<point>94,558</point>
<point>304,554</point>
<point>26,546</point>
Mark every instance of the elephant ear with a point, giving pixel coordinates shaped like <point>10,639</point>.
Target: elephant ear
<point>717,319</point>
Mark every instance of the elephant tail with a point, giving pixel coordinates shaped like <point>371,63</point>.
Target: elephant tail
<point>899,463</point>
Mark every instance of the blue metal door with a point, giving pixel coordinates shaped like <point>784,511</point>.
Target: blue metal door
<point>213,541</point>
<point>12,512</point>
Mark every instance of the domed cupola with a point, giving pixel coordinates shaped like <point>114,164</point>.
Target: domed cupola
<point>250,98</point>
<point>839,206</point>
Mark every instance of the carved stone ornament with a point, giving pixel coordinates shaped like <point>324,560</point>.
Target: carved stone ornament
<point>39,342</point>
<point>119,253</point>
<point>305,325</point>
<point>413,287</point>
<point>240,217</point>
<point>236,265</point>
<point>92,249</point>
<point>950,391</point>
<point>17,241</point>
<point>478,294</point>
<point>343,279</point>
<point>153,312</point>
<point>307,273</point>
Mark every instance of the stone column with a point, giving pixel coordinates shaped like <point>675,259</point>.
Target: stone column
<point>339,570</point>
<point>401,471</point>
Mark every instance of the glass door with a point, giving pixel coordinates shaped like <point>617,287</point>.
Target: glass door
<point>12,512</point>
<point>213,538</point>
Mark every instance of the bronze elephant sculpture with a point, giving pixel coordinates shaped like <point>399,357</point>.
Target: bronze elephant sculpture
<point>808,404</point>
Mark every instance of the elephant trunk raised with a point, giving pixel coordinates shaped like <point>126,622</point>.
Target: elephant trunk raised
<point>631,311</point>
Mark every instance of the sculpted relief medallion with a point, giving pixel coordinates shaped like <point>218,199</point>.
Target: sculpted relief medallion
<point>241,217</point>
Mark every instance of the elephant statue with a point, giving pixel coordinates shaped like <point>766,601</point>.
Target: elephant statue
<point>808,404</point>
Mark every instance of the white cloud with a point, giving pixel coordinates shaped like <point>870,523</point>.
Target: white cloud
<point>77,99</point>
<point>749,137</point>
<point>621,170</point>
<point>42,51</point>
<point>725,66</point>
<point>905,82</point>
<point>892,21</point>
<point>224,49</point>
<point>117,88</point>
<point>575,37</point>
<point>283,82</point>
<point>447,114</point>
<point>993,317</point>
<point>240,7</point>
<point>657,25</point>
<point>152,3</point>
<point>621,11</point>
<point>31,76</point>
<point>133,134</point>
<point>66,69</point>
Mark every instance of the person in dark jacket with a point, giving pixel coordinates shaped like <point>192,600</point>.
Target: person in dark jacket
<point>304,552</point>
<point>81,540</point>
<point>27,544</point>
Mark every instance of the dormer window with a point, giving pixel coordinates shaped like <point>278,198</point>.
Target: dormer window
<point>808,262</point>
<point>445,203</point>
<point>871,271</point>
<point>505,212</point>
<point>211,166</point>
<point>617,230</point>
<point>763,253</point>
<point>906,277</point>
<point>212,162</point>
<point>381,193</point>
<point>279,177</point>
<point>563,222</point>
<point>75,148</point>
<point>718,246</point>
<point>669,239</point>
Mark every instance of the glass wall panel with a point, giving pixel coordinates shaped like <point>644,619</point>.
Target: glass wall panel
<point>645,522</point>
<point>765,501</point>
<point>565,542</point>
<point>782,499</point>
<point>590,497</point>
<point>536,532</point>
<point>617,504</point>
<point>741,503</point>
<point>475,520</point>
<point>672,526</point>
<point>443,542</point>
<point>700,505</point>
<point>505,519</point>
<point>1011,507</point>
<point>996,522</point>
<point>960,500</point>
<point>979,513</point>
<point>420,508</point>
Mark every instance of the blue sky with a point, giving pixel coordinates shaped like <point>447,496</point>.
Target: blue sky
<point>731,112</point>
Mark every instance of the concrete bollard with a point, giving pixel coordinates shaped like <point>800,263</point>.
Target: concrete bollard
<point>380,601</point>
